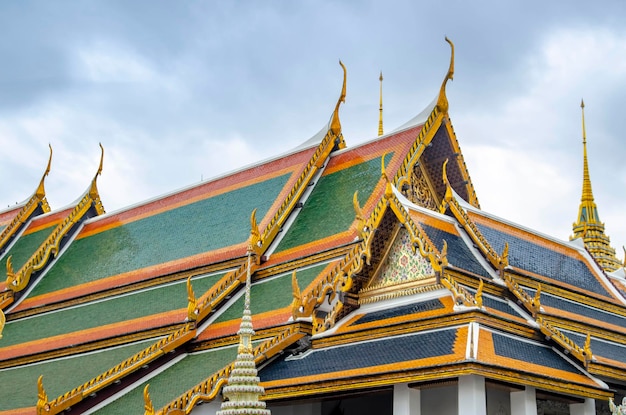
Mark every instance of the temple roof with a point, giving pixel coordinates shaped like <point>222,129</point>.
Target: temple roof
<point>368,266</point>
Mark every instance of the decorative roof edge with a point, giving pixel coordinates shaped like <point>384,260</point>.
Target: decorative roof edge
<point>37,199</point>
<point>17,281</point>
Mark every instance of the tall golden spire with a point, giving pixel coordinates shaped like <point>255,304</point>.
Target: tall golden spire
<point>588,225</point>
<point>380,116</point>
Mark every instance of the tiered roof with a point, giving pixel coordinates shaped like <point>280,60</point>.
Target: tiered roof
<point>368,266</point>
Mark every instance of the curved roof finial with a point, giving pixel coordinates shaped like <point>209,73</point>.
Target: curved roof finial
<point>335,124</point>
<point>442,102</point>
<point>93,190</point>
<point>41,192</point>
<point>380,116</point>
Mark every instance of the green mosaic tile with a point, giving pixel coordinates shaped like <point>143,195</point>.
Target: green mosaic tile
<point>272,294</point>
<point>99,313</point>
<point>203,226</point>
<point>24,248</point>
<point>173,382</point>
<point>60,375</point>
<point>329,208</point>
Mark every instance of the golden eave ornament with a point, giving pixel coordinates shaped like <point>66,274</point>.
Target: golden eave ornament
<point>442,101</point>
<point>335,124</point>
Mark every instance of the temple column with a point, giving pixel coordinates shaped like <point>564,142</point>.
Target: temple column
<point>472,395</point>
<point>406,401</point>
<point>524,402</point>
<point>586,408</point>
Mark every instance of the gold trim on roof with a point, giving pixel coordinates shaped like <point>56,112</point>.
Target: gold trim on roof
<point>207,390</point>
<point>17,281</point>
<point>37,199</point>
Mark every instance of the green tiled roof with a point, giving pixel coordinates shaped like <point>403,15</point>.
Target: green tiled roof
<point>174,381</point>
<point>19,384</point>
<point>329,209</point>
<point>203,226</point>
<point>24,247</point>
<point>272,294</point>
<point>98,313</point>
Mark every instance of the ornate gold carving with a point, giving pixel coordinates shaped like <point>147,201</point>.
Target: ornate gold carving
<point>148,407</point>
<point>587,347</point>
<point>479,294</point>
<point>335,124</point>
<point>361,226</point>
<point>255,243</point>
<point>37,199</point>
<point>129,365</point>
<point>419,191</point>
<point>568,344</point>
<point>442,101</point>
<point>191,302</point>
<point>207,390</point>
<point>17,281</point>
<point>383,174</point>
<point>470,227</point>
<point>300,306</point>
<point>42,397</point>
<point>462,297</point>
<point>535,304</point>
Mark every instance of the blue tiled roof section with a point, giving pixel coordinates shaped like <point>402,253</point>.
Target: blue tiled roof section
<point>585,311</point>
<point>429,305</point>
<point>611,351</point>
<point>459,255</point>
<point>528,352</point>
<point>540,260</point>
<point>203,226</point>
<point>499,305</point>
<point>363,355</point>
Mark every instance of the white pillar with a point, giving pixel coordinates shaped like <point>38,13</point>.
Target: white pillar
<point>524,402</point>
<point>586,408</point>
<point>406,401</point>
<point>472,396</point>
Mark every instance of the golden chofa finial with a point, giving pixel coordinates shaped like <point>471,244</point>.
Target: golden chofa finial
<point>442,101</point>
<point>41,192</point>
<point>335,124</point>
<point>380,114</point>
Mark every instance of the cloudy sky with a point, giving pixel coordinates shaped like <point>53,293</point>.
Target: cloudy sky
<point>179,92</point>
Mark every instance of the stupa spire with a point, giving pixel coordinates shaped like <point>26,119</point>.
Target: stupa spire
<point>243,390</point>
<point>380,114</point>
<point>588,225</point>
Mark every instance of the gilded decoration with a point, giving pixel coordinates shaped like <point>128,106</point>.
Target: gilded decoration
<point>402,264</point>
<point>419,192</point>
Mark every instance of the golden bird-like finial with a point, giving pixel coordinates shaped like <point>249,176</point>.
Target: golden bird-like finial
<point>191,302</point>
<point>147,401</point>
<point>479,294</point>
<point>41,192</point>
<point>380,114</point>
<point>42,396</point>
<point>93,190</point>
<point>335,124</point>
<point>442,101</point>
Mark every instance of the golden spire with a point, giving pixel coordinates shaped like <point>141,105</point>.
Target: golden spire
<point>380,116</point>
<point>588,226</point>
